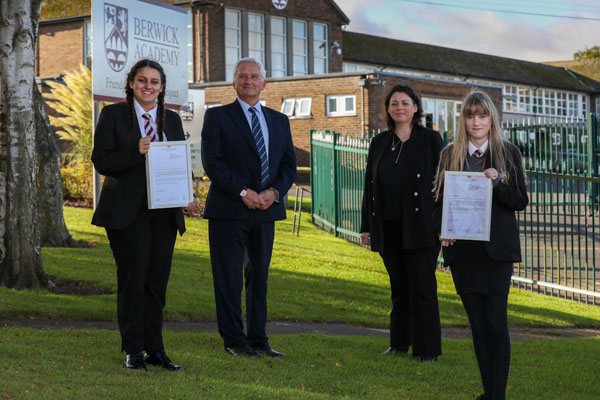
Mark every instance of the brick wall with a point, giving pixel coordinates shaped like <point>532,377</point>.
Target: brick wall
<point>59,48</point>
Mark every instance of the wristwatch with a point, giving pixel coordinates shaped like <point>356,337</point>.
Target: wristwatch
<point>244,191</point>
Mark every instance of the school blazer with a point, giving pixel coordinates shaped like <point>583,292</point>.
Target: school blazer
<point>504,244</point>
<point>116,156</point>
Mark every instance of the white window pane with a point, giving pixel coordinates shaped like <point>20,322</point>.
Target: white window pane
<point>232,55</point>
<point>319,32</point>
<point>232,38</point>
<point>299,28</point>
<point>299,64</point>
<point>255,23</point>
<point>277,26</point>
<point>299,46</point>
<point>332,104</point>
<point>232,19</point>
<point>319,66</point>
<point>320,49</point>
<point>277,61</point>
<point>303,107</point>
<point>349,104</point>
<point>277,44</point>
<point>255,41</point>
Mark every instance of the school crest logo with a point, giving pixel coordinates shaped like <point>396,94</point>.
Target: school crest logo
<point>116,36</point>
<point>280,4</point>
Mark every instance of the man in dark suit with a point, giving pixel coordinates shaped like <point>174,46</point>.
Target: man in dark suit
<point>247,153</point>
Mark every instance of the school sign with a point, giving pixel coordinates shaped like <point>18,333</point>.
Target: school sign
<point>126,31</point>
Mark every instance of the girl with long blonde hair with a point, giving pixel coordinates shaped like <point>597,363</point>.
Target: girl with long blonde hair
<point>482,270</point>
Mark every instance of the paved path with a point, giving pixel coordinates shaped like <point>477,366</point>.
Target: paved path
<point>281,327</point>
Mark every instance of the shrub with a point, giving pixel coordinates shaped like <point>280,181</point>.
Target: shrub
<point>77,182</point>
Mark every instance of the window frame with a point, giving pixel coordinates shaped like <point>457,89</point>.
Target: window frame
<point>296,106</point>
<point>340,101</point>
<point>228,65</point>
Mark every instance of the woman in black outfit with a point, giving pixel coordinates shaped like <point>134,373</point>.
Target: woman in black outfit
<point>142,240</point>
<point>482,270</point>
<point>397,222</point>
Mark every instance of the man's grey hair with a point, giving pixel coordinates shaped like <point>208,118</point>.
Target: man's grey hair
<point>261,68</point>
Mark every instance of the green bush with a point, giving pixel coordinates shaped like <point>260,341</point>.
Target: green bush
<point>77,179</point>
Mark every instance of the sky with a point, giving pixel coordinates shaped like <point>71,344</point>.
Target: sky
<point>466,25</point>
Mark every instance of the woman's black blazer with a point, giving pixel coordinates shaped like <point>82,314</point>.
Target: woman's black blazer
<point>117,157</point>
<point>417,220</point>
<point>504,244</point>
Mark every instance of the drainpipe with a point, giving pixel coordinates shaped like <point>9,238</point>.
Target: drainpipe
<point>362,82</point>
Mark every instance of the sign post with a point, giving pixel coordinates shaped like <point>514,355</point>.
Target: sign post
<point>126,31</point>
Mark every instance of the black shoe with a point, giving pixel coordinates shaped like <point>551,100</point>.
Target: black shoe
<point>395,351</point>
<point>267,350</point>
<point>135,361</point>
<point>161,360</point>
<point>428,358</point>
<point>242,350</point>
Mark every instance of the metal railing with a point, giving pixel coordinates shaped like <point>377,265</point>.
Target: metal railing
<point>560,229</point>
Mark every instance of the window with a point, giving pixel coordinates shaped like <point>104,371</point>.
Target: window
<point>510,98</point>
<point>278,47</point>
<point>256,37</point>
<point>561,103</point>
<point>299,46</point>
<point>233,41</point>
<point>190,49</point>
<point>320,48</point>
<point>524,100</point>
<point>549,103</point>
<point>340,105</point>
<point>296,107</point>
<point>87,44</point>
<point>538,102</point>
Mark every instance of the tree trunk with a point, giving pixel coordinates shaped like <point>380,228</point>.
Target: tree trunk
<point>53,230</point>
<point>20,255</point>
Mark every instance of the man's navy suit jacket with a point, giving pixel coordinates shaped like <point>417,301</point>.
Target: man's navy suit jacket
<point>231,161</point>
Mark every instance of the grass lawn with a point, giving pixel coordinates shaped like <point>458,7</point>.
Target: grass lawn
<point>67,364</point>
<point>314,277</point>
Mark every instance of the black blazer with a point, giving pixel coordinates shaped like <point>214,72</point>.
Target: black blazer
<point>231,161</point>
<point>417,221</point>
<point>116,156</point>
<point>504,244</point>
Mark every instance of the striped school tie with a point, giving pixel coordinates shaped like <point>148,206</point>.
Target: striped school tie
<point>477,153</point>
<point>262,148</point>
<point>148,129</point>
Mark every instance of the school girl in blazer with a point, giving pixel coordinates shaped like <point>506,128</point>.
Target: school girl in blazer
<point>397,222</point>
<point>142,240</point>
<point>482,270</point>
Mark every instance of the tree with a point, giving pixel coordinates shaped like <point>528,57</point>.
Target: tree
<point>588,54</point>
<point>29,159</point>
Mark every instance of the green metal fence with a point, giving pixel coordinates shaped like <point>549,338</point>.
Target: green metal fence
<point>560,229</point>
<point>337,180</point>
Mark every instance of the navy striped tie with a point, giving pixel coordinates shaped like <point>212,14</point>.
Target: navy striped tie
<point>262,148</point>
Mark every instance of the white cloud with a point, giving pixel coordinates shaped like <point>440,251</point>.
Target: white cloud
<point>515,36</point>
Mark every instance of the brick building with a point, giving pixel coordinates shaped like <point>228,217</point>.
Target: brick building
<point>324,77</point>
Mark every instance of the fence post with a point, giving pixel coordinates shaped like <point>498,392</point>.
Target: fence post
<point>335,184</point>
